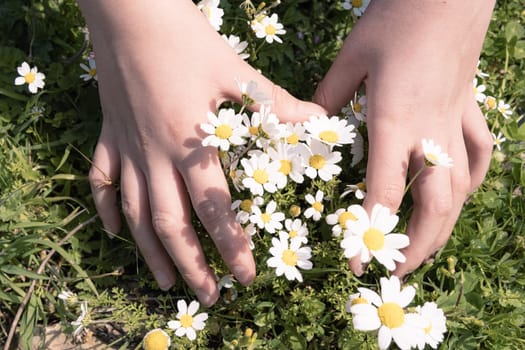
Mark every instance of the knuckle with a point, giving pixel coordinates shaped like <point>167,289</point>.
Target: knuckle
<point>441,205</point>
<point>461,182</point>
<point>391,196</point>
<point>164,224</point>
<point>212,212</point>
<point>96,179</point>
<point>130,209</point>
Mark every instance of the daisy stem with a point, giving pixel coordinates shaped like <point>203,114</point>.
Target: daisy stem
<point>240,155</point>
<point>416,175</point>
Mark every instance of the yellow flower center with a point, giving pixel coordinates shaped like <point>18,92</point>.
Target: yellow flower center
<point>290,258</point>
<point>156,340</point>
<point>223,131</point>
<point>344,217</point>
<point>374,239</point>
<point>329,136</point>
<point>429,328</point>
<point>286,167</point>
<point>359,300</point>
<point>266,218</point>
<point>292,233</point>
<point>361,186</point>
<point>357,106</point>
<point>293,139</point>
<point>490,102</point>
<point>391,315</point>
<point>270,30</point>
<point>431,157</point>
<point>92,72</point>
<point>317,161</point>
<point>248,332</point>
<point>295,210</point>
<point>246,205</point>
<point>30,77</point>
<point>254,130</point>
<point>318,206</point>
<point>261,176</point>
<point>186,321</point>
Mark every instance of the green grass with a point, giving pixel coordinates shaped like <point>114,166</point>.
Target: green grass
<point>50,239</point>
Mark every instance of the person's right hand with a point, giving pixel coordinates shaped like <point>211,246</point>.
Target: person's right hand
<point>161,68</point>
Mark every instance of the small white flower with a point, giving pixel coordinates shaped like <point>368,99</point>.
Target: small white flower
<point>295,228</point>
<point>359,108</point>
<point>237,45</point>
<point>156,339</point>
<point>81,321</point>
<point>354,299</point>
<point>386,313</point>
<point>338,219</point>
<point>226,128</point>
<point>249,231</point>
<point>357,6</point>
<point>504,109</point>
<point>270,220</point>
<point>357,149</point>
<point>66,295</point>
<point>262,126</point>
<point>225,281</point>
<point>434,155</point>
<point>332,131</point>
<point>212,11</point>
<point>187,321</point>
<point>250,94</point>
<point>436,325</point>
<point>317,206</point>
<point>244,208</point>
<point>319,160</point>
<point>288,256</point>
<point>268,28</point>
<point>369,237</point>
<point>90,69</point>
<point>30,76</point>
<point>478,90</point>
<point>292,134</point>
<point>262,174</point>
<point>358,189</point>
<point>290,159</point>
<point>498,140</point>
<point>479,73</point>
<point>490,103</point>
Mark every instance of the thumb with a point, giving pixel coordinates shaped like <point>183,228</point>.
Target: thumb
<point>342,80</point>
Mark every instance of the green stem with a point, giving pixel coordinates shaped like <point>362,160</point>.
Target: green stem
<point>414,178</point>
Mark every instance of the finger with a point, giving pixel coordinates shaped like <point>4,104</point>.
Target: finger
<point>102,176</point>
<point>478,142</point>
<point>171,219</point>
<point>212,202</point>
<point>343,78</point>
<point>136,209</point>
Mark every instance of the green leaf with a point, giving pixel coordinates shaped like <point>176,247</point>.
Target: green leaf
<point>514,29</point>
<point>17,270</point>
<point>519,50</point>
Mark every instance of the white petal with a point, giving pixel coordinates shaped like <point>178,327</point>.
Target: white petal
<point>363,322</point>
<point>190,333</point>
<point>384,337</point>
<point>405,297</point>
<point>180,332</point>
<point>193,308</point>
<point>174,324</point>
<point>397,240</point>
<point>182,307</point>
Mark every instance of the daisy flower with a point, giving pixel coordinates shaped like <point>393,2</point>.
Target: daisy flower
<point>386,313</point>
<point>504,109</point>
<point>369,237</point>
<point>434,156</point>
<point>244,208</point>
<point>357,150</point>
<point>478,90</point>
<point>270,220</point>
<point>90,69</point>
<point>262,174</point>
<point>250,94</point>
<point>490,103</point>
<point>237,45</point>
<point>359,108</point>
<point>319,160</point>
<point>187,321</point>
<point>498,140</point>
<point>332,131</point>
<point>292,134</point>
<point>68,297</point>
<point>249,231</point>
<point>30,76</point>
<point>359,189</point>
<point>357,6</point>
<point>479,72</point>
<point>295,228</point>
<point>263,126</point>
<point>290,159</point>
<point>212,11</point>
<point>436,324</point>
<point>338,219</point>
<point>156,339</point>
<point>317,206</point>
<point>288,256</point>
<point>226,128</point>
<point>269,28</point>
<point>354,299</point>
<point>226,282</point>
<point>82,320</point>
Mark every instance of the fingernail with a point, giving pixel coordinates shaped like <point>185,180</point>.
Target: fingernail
<point>242,274</point>
<point>205,298</point>
<point>164,280</point>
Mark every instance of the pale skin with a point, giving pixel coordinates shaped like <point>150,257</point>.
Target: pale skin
<point>161,68</point>
<point>418,59</point>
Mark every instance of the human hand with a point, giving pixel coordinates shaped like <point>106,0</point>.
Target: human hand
<point>418,59</point>
<point>161,68</point>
